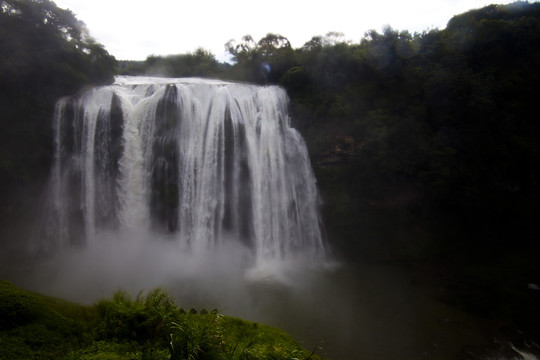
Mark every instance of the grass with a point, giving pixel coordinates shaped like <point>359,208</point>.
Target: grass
<point>33,326</point>
<point>148,327</point>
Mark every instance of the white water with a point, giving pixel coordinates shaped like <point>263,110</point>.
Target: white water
<point>202,162</point>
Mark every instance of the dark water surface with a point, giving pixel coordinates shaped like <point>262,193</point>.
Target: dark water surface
<point>368,311</point>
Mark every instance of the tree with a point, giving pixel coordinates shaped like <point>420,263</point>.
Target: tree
<point>46,53</point>
<point>201,62</point>
<point>264,61</point>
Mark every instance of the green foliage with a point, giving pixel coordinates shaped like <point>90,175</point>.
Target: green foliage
<point>200,63</point>
<point>196,336</point>
<point>256,341</point>
<point>46,44</point>
<point>46,53</point>
<point>145,320</point>
<point>151,323</point>
<point>149,327</point>
<point>38,327</point>
<point>103,350</point>
<point>130,67</point>
<point>265,61</point>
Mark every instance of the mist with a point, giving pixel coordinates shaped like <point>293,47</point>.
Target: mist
<point>343,310</point>
<point>137,259</point>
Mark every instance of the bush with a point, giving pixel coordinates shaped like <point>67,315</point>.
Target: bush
<point>145,320</point>
<point>195,336</point>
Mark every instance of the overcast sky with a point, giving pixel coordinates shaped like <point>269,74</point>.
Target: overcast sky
<point>134,29</point>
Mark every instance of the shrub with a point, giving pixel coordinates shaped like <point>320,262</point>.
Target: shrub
<point>196,336</point>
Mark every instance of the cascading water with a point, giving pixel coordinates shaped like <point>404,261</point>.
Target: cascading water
<point>205,161</point>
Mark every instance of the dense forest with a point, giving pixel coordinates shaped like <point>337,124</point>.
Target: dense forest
<point>426,146</point>
<point>46,53</point>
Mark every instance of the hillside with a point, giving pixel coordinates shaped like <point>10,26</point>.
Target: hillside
<point>35,326</point>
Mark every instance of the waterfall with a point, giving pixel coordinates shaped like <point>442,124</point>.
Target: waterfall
<point>204,161</point>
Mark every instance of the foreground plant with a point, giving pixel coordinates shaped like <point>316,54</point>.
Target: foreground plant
<point>149,327</point>
<point>193,336</point>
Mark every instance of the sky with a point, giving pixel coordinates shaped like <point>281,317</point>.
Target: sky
<point>135,29</point>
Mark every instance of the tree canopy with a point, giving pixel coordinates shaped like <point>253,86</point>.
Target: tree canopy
<point>46,53</point>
